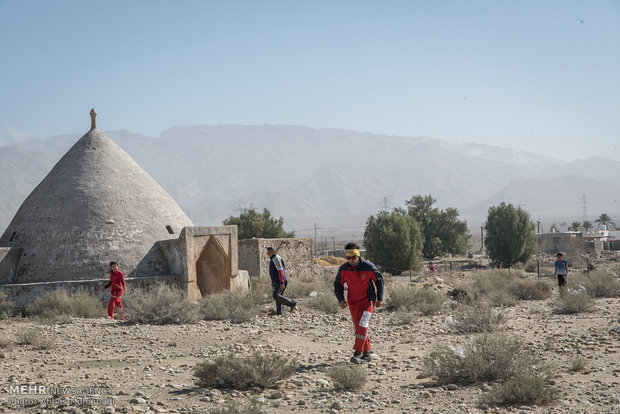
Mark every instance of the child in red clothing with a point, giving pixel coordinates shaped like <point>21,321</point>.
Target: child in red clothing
<point>117,281</point>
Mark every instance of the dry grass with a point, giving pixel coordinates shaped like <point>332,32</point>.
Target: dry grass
<point>488,357</point>
<point>161,304</point>
<point>578,364</point>
<point>60,304</point>
<point>236,306</point>
<point>528,289</point>
<point>254,406</point>
<point>236,372</point>
<point>7,307</point>
<point>571,301</point>
<point>324,302</point>
<point>34,337</point>
<point>477,319</point>
<point>424,300</point>
<point>348,377</point>
<point>598,284</point>
<point>522,390</point>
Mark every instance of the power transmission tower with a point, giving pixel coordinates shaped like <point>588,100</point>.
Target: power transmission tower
<point>584,205</point>
<point>385,203</point>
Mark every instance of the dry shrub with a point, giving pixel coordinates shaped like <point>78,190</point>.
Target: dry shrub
<point>522,390</point>
<point>330,261</point>
<point>34,337</point>
<point>7,307</point>
<point>300,288</point>
<point>6,343</point>
<point>528,289</point>
<point>477,319</point>
<point>254,406</point>
<point>161,304</point>
<point>348,377</point>
<point>234,305</point>
<point>489,357</point>
<point>599,284</point>
<point>59,304</point>
<point>571,301</point>
<point>261,290</point>
<point>325,302</point>
<point>424,300</point>
<point>578,364</point>
<point>243,372</point>
<point>403,317</point>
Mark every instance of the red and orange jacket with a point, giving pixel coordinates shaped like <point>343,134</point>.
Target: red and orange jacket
<point>361,280</point>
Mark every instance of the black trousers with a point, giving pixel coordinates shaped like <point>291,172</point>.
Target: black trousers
<point>278,293</point>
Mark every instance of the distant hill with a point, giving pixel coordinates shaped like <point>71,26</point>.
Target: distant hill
<point>328,176</point>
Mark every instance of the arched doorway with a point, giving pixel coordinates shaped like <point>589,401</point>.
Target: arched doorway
<point>212,273</point>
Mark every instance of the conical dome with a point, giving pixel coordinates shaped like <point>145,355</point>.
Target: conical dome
<point>95,206</point>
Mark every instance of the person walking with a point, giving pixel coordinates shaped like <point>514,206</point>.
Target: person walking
<point>365,292</point>
<point>279,281</point>
<point>561,271</point>
<point>118,287</point>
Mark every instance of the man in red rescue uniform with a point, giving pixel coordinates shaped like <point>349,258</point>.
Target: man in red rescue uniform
<point>117,282</point>
<point>365,291</point>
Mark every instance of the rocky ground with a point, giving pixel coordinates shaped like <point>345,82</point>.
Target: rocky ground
<point>101,366</point>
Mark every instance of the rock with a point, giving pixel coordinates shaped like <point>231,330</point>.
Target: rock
<point>276,395</point>
<point>109,410</point>
<point>336,405</point>
<point>452,387</point>
<point>137,401</point>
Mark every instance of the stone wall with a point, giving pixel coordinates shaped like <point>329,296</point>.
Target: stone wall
<point>24,293</point>
<point>296,253</point>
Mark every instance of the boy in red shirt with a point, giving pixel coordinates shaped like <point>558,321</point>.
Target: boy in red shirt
<point>117,281</point>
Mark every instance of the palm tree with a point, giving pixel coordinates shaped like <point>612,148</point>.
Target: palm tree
<point>574,226</point>
<point>587,225</point>
<point>605,220</point>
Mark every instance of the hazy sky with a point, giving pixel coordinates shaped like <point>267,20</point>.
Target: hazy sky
<point>542,76</point>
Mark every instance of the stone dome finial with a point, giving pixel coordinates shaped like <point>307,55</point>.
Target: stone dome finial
<point>93,119</point>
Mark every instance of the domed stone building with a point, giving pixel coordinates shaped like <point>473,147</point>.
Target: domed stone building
<point>97,205</point>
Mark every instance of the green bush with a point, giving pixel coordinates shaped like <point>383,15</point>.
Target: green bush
<point>234,305</point>
<point>477,319</point>
<point>489,357</point>
<point>424,300</point>
<point>160,304</point>
<point>243,372</point>
<point>59,303</point>
<point>522,390</point>
<point>7,307</point>
<point>598,284</point>
<point>574,302</point>
<point>348,377</point>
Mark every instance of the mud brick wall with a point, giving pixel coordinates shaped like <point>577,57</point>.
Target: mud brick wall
<point>296,253</point>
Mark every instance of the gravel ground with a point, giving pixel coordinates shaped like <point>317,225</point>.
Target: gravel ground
<point>102,366</point>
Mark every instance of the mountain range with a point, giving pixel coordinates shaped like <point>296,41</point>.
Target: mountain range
<point>334,178</point>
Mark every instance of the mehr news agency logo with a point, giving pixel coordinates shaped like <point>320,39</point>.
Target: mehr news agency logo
<point>77,396</point>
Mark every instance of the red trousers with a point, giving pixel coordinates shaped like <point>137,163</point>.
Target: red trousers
<point>115,300</point>
<point>360,314</point>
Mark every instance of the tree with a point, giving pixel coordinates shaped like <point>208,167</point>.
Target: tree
<point>587,225</point>
<point>510,235</point>
<point>605,220</point>
<point>574,226</point>
<point>442,231</point>
<point>251,224</point>
<point>393,242</point>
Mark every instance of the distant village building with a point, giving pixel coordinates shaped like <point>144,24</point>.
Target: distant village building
<point>594,241</point>
<point>98,205</point>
